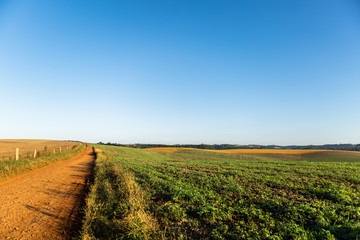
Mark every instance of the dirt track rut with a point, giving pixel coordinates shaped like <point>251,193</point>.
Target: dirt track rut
<point>44,204</point>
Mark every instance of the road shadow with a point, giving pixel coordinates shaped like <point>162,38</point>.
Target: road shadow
<point>71,224</point>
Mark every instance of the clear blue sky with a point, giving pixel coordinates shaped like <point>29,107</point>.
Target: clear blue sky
<point>245,72</point>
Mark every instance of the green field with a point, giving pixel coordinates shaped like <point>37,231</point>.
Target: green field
<point>195,194</point>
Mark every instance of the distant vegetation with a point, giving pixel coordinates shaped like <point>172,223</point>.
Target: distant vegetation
<point>195,194</point>
<point>344,147</point>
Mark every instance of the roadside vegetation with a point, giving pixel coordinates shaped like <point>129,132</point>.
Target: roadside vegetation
<point>15,167</point>
<point>115,207</point>
<point>196,194</point>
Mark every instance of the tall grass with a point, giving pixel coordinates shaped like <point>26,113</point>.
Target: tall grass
<point>115,204</point>
<point>15,167</point>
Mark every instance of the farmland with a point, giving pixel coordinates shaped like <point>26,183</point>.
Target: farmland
<point>199,194</point>
<point>47,152</point>
<point>327,155</point>
<point>27,147</point>
<point>244,151</point>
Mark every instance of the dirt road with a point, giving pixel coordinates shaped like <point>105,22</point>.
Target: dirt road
<point>44,204</point>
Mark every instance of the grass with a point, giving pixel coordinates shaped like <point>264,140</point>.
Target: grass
<point>15,167</point>
<point>197,194</point>
<point>27,147</point>
<point>115,204</point>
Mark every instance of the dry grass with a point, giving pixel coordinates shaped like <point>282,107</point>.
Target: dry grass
<point>256,151</point>
<point>137,219</point>
<point>269,151</point>
<point>115,206</point>
<point>27,146</point>
<point>170,149</point>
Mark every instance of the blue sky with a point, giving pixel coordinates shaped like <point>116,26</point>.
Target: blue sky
<point>243,72</point>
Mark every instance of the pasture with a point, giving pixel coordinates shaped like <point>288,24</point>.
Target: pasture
<point>200,194</point>
<point>28,146</point>
<point>47,152</point>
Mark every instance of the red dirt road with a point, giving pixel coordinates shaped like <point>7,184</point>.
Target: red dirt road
<point>44,204</point>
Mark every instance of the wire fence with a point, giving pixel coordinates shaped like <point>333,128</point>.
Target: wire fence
<point>19,153</point>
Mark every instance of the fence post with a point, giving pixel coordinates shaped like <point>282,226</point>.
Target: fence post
<point>54,151</point>
<point>35,154</point>
<point>17,154</point>
<point>60,149</point>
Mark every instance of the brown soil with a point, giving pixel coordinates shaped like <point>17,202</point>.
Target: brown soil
<point>45,203</point>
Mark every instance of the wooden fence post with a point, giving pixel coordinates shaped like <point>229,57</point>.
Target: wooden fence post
<point>35,154</point>
<point>17,154</point>
<point>60,149</point>
<point>54,151</point>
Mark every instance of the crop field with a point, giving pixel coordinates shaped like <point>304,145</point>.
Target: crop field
<point>243,151</point>
<point>27,147</point>
<point>282,153</point>
<point>170,149</point>
<point>198,194</point>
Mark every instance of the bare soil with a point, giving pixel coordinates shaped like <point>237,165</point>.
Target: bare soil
<point>45,203</point>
